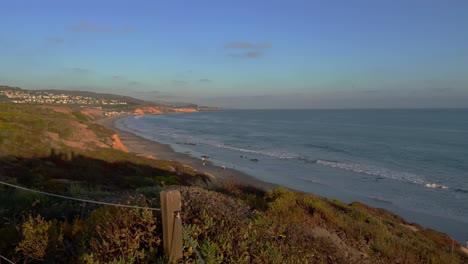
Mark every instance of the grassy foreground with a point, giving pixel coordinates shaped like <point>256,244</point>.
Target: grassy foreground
<point>60,150</point>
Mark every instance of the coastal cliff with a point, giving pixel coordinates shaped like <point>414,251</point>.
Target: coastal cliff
<point>160,110</point>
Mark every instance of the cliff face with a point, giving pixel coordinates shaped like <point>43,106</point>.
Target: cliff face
<point>159,110</point>
<point>185,110</point>
<point>148,110</point>
<point>117,144</point>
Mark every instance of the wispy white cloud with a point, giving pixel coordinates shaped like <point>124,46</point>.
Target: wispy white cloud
<point>247,45</point>
<point>89,27</point>
<point>79,70</point>
<point>248,54</point>
<point>134,83</point>
<point>55,40</point>
<point>248,50</point>
<point>179,82</point>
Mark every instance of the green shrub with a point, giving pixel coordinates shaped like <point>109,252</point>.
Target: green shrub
<point>38,238</point>
<point>122,235</point>
<point>81,117</point>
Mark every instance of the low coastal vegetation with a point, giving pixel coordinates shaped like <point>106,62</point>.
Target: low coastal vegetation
<point>60,150</point>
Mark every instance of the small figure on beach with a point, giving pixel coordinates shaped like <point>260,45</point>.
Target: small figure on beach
<point>204,163</point>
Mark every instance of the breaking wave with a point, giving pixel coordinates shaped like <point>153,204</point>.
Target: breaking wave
<point>274,154</point>
<point>376,171</point>
<point>186,139</point>
<point>386,173</point>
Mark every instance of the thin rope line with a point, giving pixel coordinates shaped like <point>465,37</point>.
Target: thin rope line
<point>78,199</point>
<point>188,238</point>
<point>7,260</point>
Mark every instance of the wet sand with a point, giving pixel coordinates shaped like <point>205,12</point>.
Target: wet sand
<point>144,147</point>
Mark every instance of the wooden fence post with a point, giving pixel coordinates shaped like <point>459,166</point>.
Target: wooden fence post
<point>172,231</point>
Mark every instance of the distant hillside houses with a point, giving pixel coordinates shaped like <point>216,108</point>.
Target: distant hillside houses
<point>30,97</point>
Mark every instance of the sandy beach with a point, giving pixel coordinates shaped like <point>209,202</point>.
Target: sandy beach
<point>141,146</point>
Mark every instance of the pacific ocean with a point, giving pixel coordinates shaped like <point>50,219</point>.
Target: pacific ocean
<point>412,162</point>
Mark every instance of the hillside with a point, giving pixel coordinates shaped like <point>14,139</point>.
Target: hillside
<point>93,105</point>
<point>60,149</point>
<point>86,98</point>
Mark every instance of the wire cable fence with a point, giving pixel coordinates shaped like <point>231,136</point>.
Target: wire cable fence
<point>7,260</point>
<point>177,216</point>
<point>79,199</point>
<point>188,238</point>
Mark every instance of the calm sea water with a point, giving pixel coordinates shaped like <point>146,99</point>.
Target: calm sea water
<point>412,162</point>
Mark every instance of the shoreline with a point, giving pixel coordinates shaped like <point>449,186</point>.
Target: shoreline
<point>139,145</point>
<point>145,147</point>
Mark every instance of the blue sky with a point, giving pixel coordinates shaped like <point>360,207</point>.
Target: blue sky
<point>246,54</point>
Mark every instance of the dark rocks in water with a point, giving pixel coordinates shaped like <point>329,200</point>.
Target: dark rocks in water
<point>254,160</point>
<point>205,156</point>
<point>241,156</point>
<point>186,143</point>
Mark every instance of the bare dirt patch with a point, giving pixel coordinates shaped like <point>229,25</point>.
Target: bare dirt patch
<point>350,252</point>
<point>92,113</point>
<point>117,144</point>
<point>465,250</point>
<point>148,156</point>
<point>83,138</point>
<point>58,109</point>
<point>411,227</point>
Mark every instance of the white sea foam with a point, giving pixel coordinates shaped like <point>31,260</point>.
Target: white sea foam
<point>359,168</point>
<point>382,172</point>
<point>197,140</point>
<point>376,171</point>
<point>274,154</point>
<point>435,185</point>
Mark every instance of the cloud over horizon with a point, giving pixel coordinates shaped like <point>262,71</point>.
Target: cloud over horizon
<point>134,83</point>
<point>56,40</point>
<point>247,45</point>
<point>89,27</point>
<point>248,54</point>
<point>79,70</point>
<point>248,50</point>
<point>179,82</point>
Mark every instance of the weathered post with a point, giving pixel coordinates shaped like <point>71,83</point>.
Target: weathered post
<point>172,231</point>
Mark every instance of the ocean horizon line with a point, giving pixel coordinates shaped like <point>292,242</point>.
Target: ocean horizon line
<point>364,108</point>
